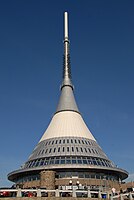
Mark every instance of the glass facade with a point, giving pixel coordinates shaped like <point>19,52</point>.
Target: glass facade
<point>28,178</point>
<point>87,175</point>
<point>68,160</point>
<point>70,174</point>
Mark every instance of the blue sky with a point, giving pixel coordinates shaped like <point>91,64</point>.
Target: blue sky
<point>101,33</point>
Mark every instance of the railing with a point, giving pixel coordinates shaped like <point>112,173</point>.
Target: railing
<point>65,193</point>
<point>127,195</point>
<point>57,193</point>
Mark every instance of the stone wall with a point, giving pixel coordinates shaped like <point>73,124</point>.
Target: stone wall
<point>127,185</point>
<point>32,184</point>
<point>47,180</point>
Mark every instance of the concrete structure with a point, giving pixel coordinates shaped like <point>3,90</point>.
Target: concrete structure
<point>68,156</point>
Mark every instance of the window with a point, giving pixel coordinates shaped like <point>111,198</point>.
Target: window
<point>98,162</point>
<point>46,150</point>
<point>42,151</point>
<point>46,162</point>
<point>32,163</point>
<point>67,140</point>
<point>85,150</point>
<point>52,161</point>
<point>29,165</point>
<point>54,150</point>
<point>90,161</point>
<point>74,173</point>
<point>75,141</point>
<point>92,175</point>
<point>77,149</point>
<point>68,174</point>
<point>87,176</point>
<point>71,141</point>
<point>59,141</point>
<point>106,164</point>
<point>84,161</point>
<point>94,162</point>
<point>67,149</point>
<point>81,175</point>
<point>79,141</point>
<point>37,163</point>
<point>42,162</point>
<point>50,150</point>
<point>73,149</point>
<point>62,175</point>
<point>79,161</point>
<point>82,141</point>
<point>81,149</point>
<point>93,151</point>
<point>56,141</point>
<point>63,141</point>
<point>56,161</point>
<point>63,149</point>
<point>89,150</point>
<point>96,151</point>
<point>68,161</point>
<point>52,142</point>
<point>73,160</point>
<point>85,141</point>
<point>59,149</point>
<point>39,152</point>
<point>102,163</point>
<point>49,142</point>
<point>63,161</point>
<point>97,176</point>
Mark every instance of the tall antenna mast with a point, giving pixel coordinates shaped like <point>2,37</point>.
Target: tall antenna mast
<point>65,26</point>
<point>67,101</point>
<point>66,57</point>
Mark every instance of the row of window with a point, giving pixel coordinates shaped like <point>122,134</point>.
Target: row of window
<point>28,178</point>
<point>69,141</point>
<point>68,149</point>
<point>69,160</point>
<point>86,175</point>
<point>72,175</point>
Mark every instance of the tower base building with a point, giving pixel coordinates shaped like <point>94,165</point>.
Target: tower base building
<point>68,156</point>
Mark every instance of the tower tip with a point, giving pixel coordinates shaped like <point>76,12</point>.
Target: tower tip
<point>66,25</point>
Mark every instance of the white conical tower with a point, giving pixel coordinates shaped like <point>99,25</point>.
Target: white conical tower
<point>67,145</point>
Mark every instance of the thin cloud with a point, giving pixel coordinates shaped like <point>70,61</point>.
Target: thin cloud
<point>130,178</point>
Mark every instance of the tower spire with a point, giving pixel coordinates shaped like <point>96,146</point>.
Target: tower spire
<point>66,57</point>
<point>65,26</point>
<point>67,101</point>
